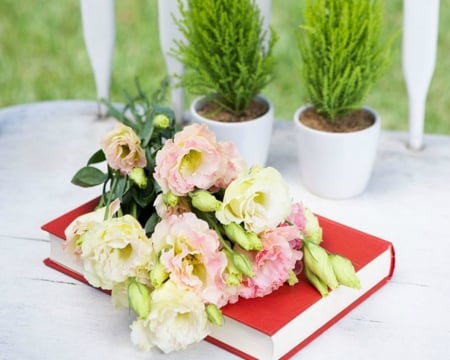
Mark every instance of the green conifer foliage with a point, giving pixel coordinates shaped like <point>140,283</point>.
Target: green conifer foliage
<point>343,53</point>
<point>226,52</point>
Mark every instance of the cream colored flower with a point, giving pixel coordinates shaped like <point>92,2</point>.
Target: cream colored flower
<point>83,223</point>
<point>176,320</point>
<point>114,250</point>
<point>259,199</point>
<point>119,294</point>
<point>122,149</point>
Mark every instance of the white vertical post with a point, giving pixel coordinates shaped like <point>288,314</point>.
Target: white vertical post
<point>168,32</point>
<point>99,35</point>
<point>420,31</point>
<point>265,8</point>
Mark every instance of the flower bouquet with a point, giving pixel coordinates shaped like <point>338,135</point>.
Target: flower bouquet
<point>183,228</point>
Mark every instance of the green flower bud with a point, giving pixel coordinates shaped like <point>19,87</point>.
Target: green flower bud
<point>243,264</point>
<point>170,199</point>
<point>204,201</point>
<point>137,175</point>
<point>313,231</point>
<point>292,280</point>
<point>139,298</point>
<point>158,275</point>
<point>317,261</point>
<point>161,121</point>
<point>233,276</point>
<point>233,279</point>
<point>316,282</point>
<point>246,240</point>
<point>214,314</point>
<point>344,271</point>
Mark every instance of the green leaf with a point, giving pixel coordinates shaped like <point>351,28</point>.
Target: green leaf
<point>144,197</point>
<point>151,223</point>
<point>89,176</point>
<point>122,186</point>
<point>112,111</point>
<point>97,157</point>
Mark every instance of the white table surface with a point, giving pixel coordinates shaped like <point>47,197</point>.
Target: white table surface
<point>47,315</point>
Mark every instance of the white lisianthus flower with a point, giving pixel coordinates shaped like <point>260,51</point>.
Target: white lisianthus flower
<point>176,320</point>
<point>259,199</point>
<point>114,250</point>
<point>83,223</point>
<point>119,294</point>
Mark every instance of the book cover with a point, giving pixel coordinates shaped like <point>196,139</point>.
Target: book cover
<point>280,324</point>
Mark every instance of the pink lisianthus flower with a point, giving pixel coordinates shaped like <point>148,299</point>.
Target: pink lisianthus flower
<point>232,165</point>
<point>297,216</point>
<point>123,150</point>
<point>164,210</point>
<point>272,265</point>
<point>193,159</point>
<point>190,253</point>
<point>307,223</point>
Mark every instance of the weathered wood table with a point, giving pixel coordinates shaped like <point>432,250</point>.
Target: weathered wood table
<point>47,315</point>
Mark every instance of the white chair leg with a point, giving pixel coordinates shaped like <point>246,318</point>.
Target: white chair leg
<point>99,36</point>
<point>168,32</point>
<point>420,31</point>
<point>265,8</point>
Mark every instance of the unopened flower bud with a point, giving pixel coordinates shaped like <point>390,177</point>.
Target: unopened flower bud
<point>317,261</point>
<point>292,280</point>
<point>161,121</point>
<point>321,287</point>
<point>137,175</point>
<point>313,231</point>
<point>204,201</point>
<point>158,275</point>
<point>246,240</point>
<point>214,314</point>
<point>233,276</point>
<point>344,271</point>
<point>233,279</point>
<point>139,298</point>
<point>170,199</point>
<point>243,264</point>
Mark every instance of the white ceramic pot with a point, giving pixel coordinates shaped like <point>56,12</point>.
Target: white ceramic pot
<point>336,165</point>
<point>251,137</point>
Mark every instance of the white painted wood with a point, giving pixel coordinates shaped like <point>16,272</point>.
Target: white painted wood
<point>99,36</point>
<point>168,32</point>
<point>420,32</point>
<point>47,315</point>
<point>265,8</point>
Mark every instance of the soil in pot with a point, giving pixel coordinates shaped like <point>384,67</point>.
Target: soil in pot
<point>213,111</point>
<point>354,121</point>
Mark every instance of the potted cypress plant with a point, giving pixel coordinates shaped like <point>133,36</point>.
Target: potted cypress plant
<point>343,53</point>
<point>228,60</point>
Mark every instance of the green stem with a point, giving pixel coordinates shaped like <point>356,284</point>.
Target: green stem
<point>211,222</point>
<point>111,190</point>
<point>133,210</point>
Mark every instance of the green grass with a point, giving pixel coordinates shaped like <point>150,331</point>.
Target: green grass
<point>42,57</point>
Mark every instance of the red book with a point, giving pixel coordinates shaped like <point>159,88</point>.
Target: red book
<point>280,324</point>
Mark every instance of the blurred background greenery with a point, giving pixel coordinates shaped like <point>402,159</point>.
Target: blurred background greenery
<point>43,57</point>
